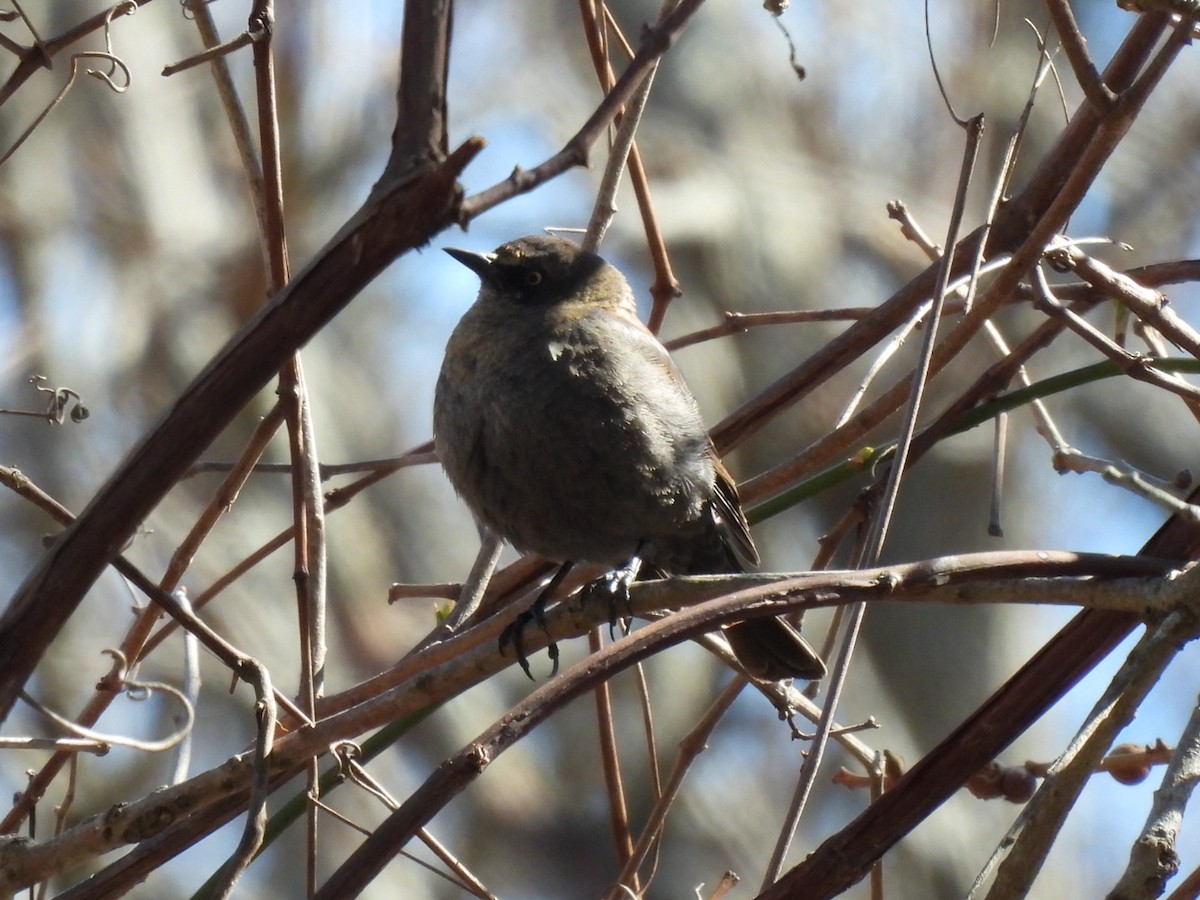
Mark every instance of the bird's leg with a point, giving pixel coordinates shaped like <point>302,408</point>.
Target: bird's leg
<point>512,634</point>
<point>616,585</point>
<point>473,588</point>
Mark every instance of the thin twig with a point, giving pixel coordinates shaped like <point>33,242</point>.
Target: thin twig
<point>610,762</point>
<point>1148,304</point>
<point>256,816</point>
<point>64,745</point>
<point>657,39</point>
<point>1119,583</point>
<point>879,524</point>
<point>224,651</point>
<point>334,500</point>
<point>191,691</point>
<point>1137,367</point>
<point>1074,43</point>
<point>471,592</point>
<point>1153,859</point>
<point>605,206</point>
<point>1024,849</point>
<point>213,53</point>
<point>693,744</point>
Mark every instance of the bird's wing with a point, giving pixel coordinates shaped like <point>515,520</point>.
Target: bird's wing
<point>729,508</point>
<point>677,397</point>
<point>645,369</point>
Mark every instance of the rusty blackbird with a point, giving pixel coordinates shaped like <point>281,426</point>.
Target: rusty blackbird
<point>563,423</point>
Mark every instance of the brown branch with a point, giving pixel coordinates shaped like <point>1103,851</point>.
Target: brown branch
<point>420,134</point>
<point>1134,365</point>
<point>1147,304</point>
<point>1032,835</point>
<point>1086,640</point>
<point>846,856</point>
<point>1085,145</point>
<point>42,52</point>
<point>740,323</point>
<point>467,659</point>
<point>410,204</point>
<point>135,643</point>
<point>256,816</point>
<point>404,216</point>
<point>666,286</point>
<point>1155,274</point>
<point>1046,202</point>
<point>334,500</point>
<point>610,762</point>
<point>215,52</point>
<point>460,770</point>
<point>998,376</point>
<point>657,39</point>
<point>1075,45</point>
<point>1154,858</point>
<point>693,744</point>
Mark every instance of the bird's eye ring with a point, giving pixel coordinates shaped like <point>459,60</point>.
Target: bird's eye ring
<point>532,278</point>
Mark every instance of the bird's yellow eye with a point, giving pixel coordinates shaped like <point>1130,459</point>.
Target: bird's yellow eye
<point>532,278</point>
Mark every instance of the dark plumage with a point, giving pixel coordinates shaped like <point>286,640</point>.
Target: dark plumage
<point>563,423</point>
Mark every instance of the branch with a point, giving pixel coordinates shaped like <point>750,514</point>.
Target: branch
<point>401,218</point>
<point>1153,858</point>
<point>42,53</point>
<point>446,669</point>
<point>1051,195</point>
<point>420,133</point>
<point>657,39</point>
<point>1087,639</point>
<point>1030,838</point>
<point>1075,45</point>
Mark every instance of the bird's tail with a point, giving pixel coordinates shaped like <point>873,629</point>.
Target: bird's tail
<point>772,649</point>
<point>768,648</point>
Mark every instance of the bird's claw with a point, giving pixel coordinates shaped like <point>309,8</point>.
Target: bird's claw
<point>615,585</point>
<point>514,632</point>
<point>512,635</point>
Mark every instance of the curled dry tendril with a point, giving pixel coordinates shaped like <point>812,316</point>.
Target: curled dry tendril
<point>115,65</point>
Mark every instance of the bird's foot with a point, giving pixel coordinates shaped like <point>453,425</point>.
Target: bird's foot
<point>615,587</point>
<point>514,632</point>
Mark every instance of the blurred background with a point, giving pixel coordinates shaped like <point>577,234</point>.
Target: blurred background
<point>128,255</point>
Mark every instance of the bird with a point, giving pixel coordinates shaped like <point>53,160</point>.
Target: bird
<point>562,422</point>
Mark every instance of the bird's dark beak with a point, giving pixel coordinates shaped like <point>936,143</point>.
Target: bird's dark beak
<point>479,263</point>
